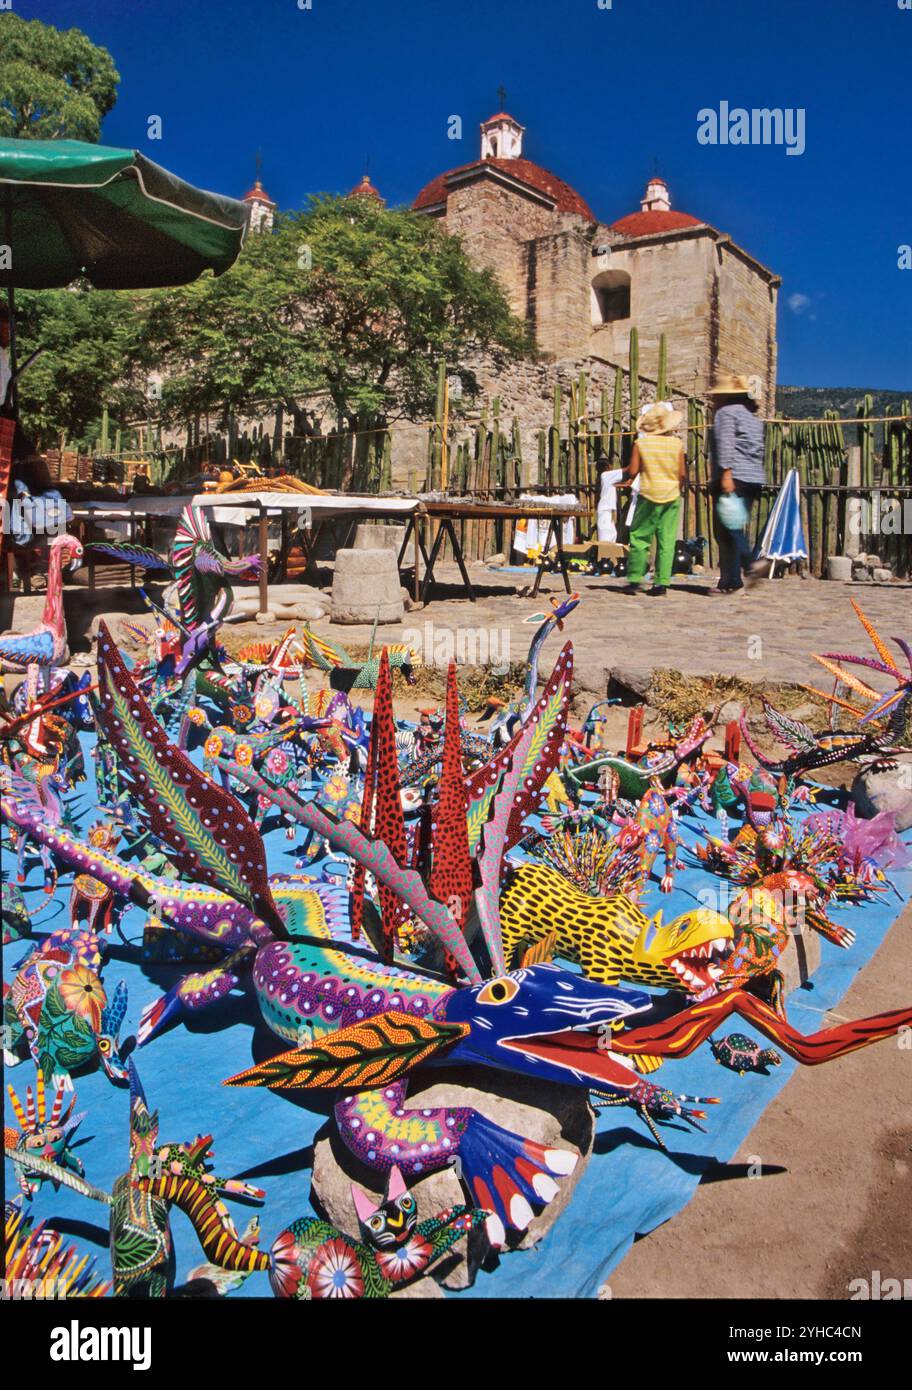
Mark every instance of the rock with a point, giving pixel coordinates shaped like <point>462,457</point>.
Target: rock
<point>366,587</point>
<point>731,709</point>
<point>553,1115</point>
<point>266,616</point>
<point>881,574</point>
<point>498,559</point>
<point>839,567</point>
<point>885,786</point>
<point>629,680</point>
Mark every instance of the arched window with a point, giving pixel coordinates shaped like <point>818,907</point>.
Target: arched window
<point>493,147</point>
<point>610,296</point>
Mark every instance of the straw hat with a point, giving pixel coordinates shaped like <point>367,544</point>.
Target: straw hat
<point>731,384</point>
<point>659,418</point>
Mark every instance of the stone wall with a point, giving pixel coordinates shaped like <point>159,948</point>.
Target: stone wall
<point>526,391</point>
<point>557,290</point>
<point>747,320</point>
<point>670,292</point>
<point>494,223</point>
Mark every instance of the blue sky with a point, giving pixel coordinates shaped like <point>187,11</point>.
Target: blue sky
<point>603,93</point>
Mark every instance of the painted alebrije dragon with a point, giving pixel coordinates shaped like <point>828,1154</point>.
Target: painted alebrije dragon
<point>46,1135</point>
<point>546,1032</point>
<point>611,938</point>
<point>39,1264</point>
<point>883,726</point>
<point>58,1006</point>
<point>542,1022</point>
<point>312,1259</point>
<point>347,674</point>
<point>506,719</point>
<point>139,1230</point>
<point>39,652</point>
<point>200,570</point>
<point>631,780</point>
<point>896,703</point>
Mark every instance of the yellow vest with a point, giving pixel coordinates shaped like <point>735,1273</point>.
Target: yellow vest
<point>659,468</point>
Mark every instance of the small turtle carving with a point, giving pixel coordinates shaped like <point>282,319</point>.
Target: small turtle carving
<point>740,1053</point>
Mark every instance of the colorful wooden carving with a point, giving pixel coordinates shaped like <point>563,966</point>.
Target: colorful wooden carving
<point>58,1006</point>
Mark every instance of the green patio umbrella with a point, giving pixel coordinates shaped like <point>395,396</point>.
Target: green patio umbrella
<point>68,209</point>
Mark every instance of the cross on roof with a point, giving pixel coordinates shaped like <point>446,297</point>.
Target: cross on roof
<point>502,97</point>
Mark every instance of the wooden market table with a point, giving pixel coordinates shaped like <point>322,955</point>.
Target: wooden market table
<point>313,511</point>
<point>444,513</point>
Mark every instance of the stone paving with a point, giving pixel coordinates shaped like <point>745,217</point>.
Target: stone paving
<point>764,635</point>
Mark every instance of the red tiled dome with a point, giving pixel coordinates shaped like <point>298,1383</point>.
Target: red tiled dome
<point>652,221</point>
<point>365,189</point>
<point>258,193</point>
<point>565,198</point>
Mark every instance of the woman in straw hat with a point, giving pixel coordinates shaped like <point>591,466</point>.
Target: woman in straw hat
<point>738,475</point>
<point>658,461</point>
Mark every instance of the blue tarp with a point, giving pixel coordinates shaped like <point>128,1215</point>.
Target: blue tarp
<point>629,1186</point>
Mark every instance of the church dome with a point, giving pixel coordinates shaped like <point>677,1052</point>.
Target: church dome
<point>257,194</point>
<point>656,215</point>
<point>501,149</point>
<point>365,189</point>
<point>652,221</point>
<point>565,198</point>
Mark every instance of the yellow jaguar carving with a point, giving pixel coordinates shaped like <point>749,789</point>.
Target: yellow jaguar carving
<point>610,937</point>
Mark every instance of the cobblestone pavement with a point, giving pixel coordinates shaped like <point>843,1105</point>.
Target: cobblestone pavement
<point>764,635</point>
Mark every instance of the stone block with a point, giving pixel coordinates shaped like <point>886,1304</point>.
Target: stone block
<point>366,588</point>
<point>839,568</point>
<point>375,535</point>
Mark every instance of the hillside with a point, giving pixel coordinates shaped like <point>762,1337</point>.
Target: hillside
<point>809,402</point>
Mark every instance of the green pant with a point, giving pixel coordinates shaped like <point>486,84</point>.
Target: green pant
<point>659,519</point>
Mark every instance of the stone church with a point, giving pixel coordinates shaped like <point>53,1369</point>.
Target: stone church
<point>582,283</point>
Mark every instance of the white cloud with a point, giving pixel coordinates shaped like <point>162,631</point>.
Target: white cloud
<point>798,302</point>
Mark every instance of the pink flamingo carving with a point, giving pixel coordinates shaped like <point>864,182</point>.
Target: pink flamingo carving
<point>38,652</point>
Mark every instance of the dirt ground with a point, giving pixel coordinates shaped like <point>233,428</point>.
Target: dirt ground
<point>841,1206</point>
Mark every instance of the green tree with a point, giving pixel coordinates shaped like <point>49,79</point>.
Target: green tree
<point>88,337</point>
<point>54,83</point>
<point>347,299</point>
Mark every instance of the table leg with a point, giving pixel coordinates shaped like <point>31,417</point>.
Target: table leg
<point>457,555</point>
<point>416,537</point>
<point>544,558</point>
<point>429,572</point>
<point>409,528</point>
<point>562,559</point>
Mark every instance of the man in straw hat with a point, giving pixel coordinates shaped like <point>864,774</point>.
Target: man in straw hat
<point>658,461</point>
<point>738,475</point>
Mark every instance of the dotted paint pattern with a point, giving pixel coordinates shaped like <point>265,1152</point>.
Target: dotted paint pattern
<point>210,835</point>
